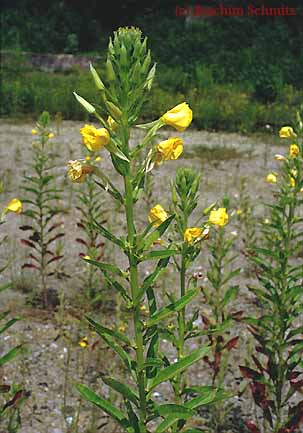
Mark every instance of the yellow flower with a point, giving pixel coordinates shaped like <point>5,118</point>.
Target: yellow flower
<point>84,342</point>
<point>192,233</point>
<point>292,182</point>
<point>122,328</point>
<point>271,178</point>
<point>93,138</point>
<point>97,159</point>
<point>14,205</point>
<point>169,149</point>
<point>157,215</point>
<point>87,158</point>
<point>112,123</point>
<point>294,150</point>
<point>87,257</point>
<point>218,217</point>
<point>143,308</point>
<point>287,132</point>
<point>51,135</point>
<point>77,171</point>
<point>34,131</point>
<point>179,117</point>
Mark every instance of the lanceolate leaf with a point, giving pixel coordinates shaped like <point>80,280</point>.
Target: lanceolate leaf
<point>152,278</point>
<point>230,295</point>
<point>104,232</point>
<point>172,308</point>
<point>107,267</point>
<point>8,324</point>
<point>156,234</point>
<point>123,389</point>
<point>103,404</point>
<point>10,355</point>
<point>174,369</point>
<point>102,330</point>
<point>159,254</point>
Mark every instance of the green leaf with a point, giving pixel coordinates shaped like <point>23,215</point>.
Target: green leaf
<point>181,412</point>
<point>156,234</point>
<point>119,351</point>
<point>168,422</point>
<point>102,330</point>
<point>107,267</point>
<point>230,294</point>
<point>112,148</point>
<point>153,362</point>
<point>10,355</point>
<point>8,325</point>
<point>173,307</point>
<point>176,368</point>
<point>104,232</point>
<point>148,281</point>
<point>107,407</point>
<point>123,389</point>
<point>159,254</point>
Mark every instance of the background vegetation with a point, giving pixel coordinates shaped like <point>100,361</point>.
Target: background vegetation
<point>238,73</point>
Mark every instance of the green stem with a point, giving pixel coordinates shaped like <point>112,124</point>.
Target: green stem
<point>133,267</point>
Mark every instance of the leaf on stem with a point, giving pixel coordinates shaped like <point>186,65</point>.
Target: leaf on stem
<point>172,308</point>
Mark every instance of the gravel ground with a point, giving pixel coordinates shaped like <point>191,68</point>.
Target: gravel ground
<point>53,358</point>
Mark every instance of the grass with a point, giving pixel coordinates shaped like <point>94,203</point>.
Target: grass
<point>204,152</point>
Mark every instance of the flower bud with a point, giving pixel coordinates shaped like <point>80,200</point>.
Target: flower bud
<point>113,109</point>
<point>123,55</point>
<point>146,62</point>
<point>150,77</point>
<point>97,79</point>
<point>111,76</point>
<point>88,107</point>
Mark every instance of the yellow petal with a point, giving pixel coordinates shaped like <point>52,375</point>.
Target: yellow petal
<point>14,205</point>
<point>157,215</point>
<point>179,117</point>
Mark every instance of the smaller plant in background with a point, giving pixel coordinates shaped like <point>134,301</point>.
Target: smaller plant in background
<point>92,210</point>
<point>12,396</point>
<point>220,294</point>
<point>42,195</point>
<point>275,373</point>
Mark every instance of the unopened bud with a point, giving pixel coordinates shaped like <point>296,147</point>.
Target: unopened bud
<point>123,55</point>
<point>150,77</point>
<point>209,208</point>
<point>111,76</point>
<point>113,109</point>
<point>96,78</point>
<point>88,107</point>
<point>146,62</point>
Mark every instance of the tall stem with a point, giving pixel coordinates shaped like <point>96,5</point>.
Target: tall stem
<point>133,267</point>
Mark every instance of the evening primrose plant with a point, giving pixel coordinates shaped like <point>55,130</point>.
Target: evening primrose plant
<point>123,91</point>
<point>275,377</point>
<point>91,209</point>
<point>220,294</point>
<point>11,395</point>
<point>42,195</point>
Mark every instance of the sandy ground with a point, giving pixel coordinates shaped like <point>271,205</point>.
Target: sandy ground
<point>52,358</point>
